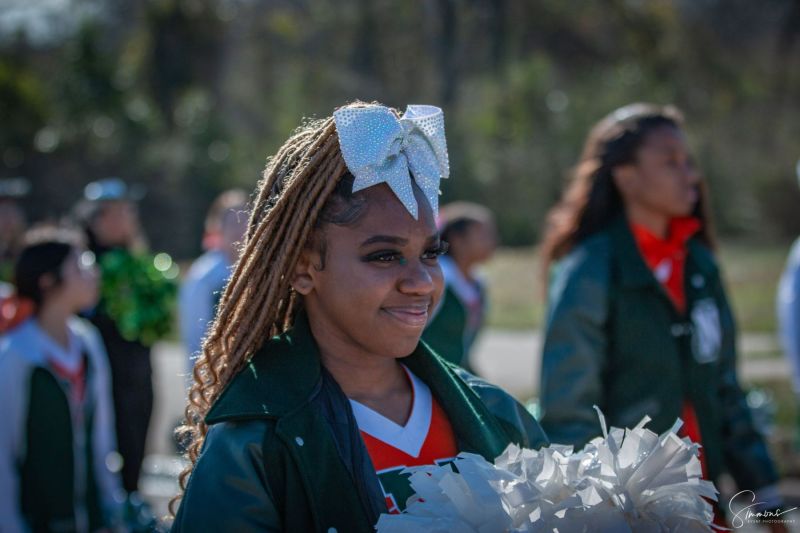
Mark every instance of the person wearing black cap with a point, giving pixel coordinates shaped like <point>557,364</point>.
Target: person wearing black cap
<point>109,217</point>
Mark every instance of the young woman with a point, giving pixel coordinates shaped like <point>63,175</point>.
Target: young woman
<point>57,443</point>
<point>470,231</point>
<point>313,391</point>
<point>638,321</point>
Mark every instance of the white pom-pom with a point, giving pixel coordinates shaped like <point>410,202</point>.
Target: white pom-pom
<point>628,480</point>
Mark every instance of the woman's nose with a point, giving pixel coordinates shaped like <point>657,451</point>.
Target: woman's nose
<point>417,278</point>
<point>692,173</point>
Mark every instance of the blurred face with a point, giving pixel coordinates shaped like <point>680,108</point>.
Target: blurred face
<point>380,280</point>
<point>79,288</point>
<point>116,224</point>
<point>234,226</point>
<point>663,180</point>
<point>12,222</point>
<point>480,240</point>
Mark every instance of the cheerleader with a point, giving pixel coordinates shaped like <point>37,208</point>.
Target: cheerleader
<point>313,391</point>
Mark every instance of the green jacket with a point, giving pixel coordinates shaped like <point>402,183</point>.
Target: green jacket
<point>452,330</point>
<point>614,339</point>
<point>283,452</point>
<point>445,334</point>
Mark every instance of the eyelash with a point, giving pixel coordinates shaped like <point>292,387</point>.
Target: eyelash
<point>387,256</point>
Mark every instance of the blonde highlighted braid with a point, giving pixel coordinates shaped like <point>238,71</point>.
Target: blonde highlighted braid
<point>295,197</point>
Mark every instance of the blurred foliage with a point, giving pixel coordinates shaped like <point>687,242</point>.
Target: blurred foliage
<point>190,96</point>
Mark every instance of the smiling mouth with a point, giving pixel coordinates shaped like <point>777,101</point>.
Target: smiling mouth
<point>414,316</point>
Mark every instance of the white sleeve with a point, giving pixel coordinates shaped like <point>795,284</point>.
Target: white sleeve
<point>103,431</point>
<point>13,404</point>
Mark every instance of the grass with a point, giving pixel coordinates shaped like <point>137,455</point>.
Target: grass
<point>751,272</point>
<point>515,294</point>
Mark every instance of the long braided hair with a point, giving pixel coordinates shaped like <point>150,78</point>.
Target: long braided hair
<point>305,186</point>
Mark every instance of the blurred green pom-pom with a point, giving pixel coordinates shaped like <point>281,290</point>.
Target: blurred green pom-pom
<point>138,292</point>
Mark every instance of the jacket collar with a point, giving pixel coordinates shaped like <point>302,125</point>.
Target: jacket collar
<point>284,375</point>
<point>280,377</point>
<point>634,272</point>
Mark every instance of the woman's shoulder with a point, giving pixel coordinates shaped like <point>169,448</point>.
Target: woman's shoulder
<point>703,256</point>
<point>233,448</point>
<point>594,252</point>
<point>280,377</point>
<point>83,328</point>
<point>20,354</point>
<point>236,438</point>
<point>512,414</point>
<point>228,488</point>
<point>90,338</point>
<point>20,344</point>
<point>586,266</point>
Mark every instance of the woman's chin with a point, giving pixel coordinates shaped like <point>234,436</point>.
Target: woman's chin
<point>399,346</point>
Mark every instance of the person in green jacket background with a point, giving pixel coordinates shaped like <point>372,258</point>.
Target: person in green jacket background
<point>470,231</point>
<point>638,321</point>
<point>313,390</point>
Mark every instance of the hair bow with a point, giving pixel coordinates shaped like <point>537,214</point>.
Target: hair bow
<point>378,147</point>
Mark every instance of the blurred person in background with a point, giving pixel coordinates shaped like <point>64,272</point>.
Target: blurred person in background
<point>200,292</point>
<point>58,456</point>
<point>12,225</point>
<point>13,309</point>
<point>789,318</point>
<point>109,216</point>
<point>470,231</point>
<point>638,320</point>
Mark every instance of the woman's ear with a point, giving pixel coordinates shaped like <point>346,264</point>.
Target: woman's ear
<point>303,279</point>
<point>624,177</point>
<point>47,282</point>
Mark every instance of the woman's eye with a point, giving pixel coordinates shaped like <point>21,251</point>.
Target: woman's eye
<point>435,252</point>
<point>678,161</point>
<point>384,257</point>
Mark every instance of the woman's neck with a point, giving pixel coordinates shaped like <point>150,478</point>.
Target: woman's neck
<point>655,223</point>
<point>363,379</point>
<point>53,320</point>
<point>378,382</point>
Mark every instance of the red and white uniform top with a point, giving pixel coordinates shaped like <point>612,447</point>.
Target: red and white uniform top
<point>427,438</point>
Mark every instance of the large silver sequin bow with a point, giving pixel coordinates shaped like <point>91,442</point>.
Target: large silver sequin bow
<point>378,147</point>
